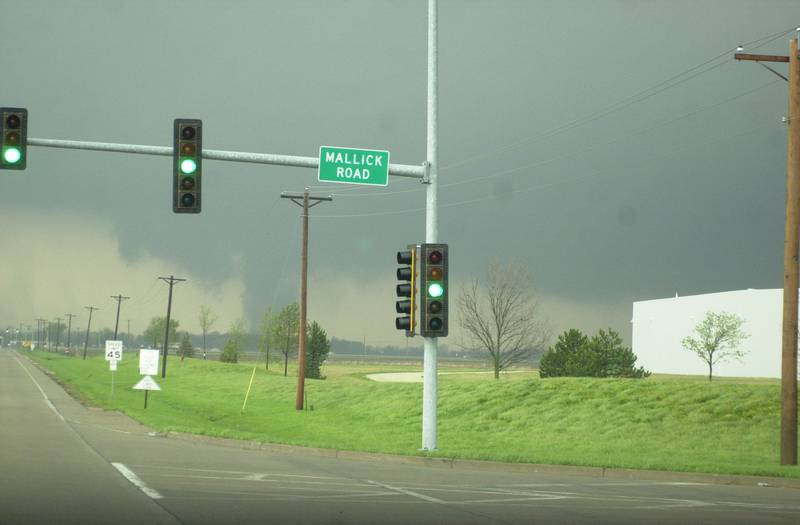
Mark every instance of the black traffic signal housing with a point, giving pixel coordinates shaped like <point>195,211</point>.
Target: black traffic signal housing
<point>407,290</point>
<point>187,163</point>
<point>14,137</point>
<point>433,290</point>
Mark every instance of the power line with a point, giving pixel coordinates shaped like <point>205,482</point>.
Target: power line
<point>639,96</point>
<point>612,108</point>
<point>570,154</point>
<point>548,185</point>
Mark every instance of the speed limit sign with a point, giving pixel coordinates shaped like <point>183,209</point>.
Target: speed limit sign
<point>113,350</point>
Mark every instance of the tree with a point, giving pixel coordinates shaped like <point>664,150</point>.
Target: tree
<point>500,316</point>
<point>266,337</point>
<point>206,321</point>
<point>235,343</point>
<point>554,362</point>
<point>575,355</point>
<point>717,338</point>
<point>186,348</point>
<point>285,332</point>
<point>317,350</point>
<point>155,330</point>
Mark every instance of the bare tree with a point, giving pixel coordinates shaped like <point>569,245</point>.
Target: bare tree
<point>206,321</point>
<point>500,315</point>
<point>718,338</point>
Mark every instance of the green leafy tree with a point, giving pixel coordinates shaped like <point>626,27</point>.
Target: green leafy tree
<point>285,332</point>
<point>267,335</point>
<point>235,343</point>
<point>717,338</point>
<point>317,349</point>
<point>155,331</point>
<point>186,348</point>
<point>603,355</point>
<point>554,362</point>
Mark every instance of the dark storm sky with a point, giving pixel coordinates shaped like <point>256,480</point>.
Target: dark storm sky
<point>547,156</point>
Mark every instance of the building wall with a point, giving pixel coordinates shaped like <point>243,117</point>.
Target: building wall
<point>659,325</point>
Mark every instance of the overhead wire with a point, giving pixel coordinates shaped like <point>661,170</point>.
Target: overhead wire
<point>635,98</point>
<point>612,108</point>
<point>637,132</point>
<point>554,183</point>
<point>572,153</point>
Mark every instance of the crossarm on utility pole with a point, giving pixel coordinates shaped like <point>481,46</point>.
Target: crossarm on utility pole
<point>761,58</point>
<point>398,170</point>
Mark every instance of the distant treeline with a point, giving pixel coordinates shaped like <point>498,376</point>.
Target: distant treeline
<point>215,341</point>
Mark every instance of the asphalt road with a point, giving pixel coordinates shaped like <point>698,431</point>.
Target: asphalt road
<point>65,463</point>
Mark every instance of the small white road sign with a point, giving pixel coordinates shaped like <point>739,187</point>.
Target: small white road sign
<point>147,383</point>
<point>113,350</point>
<point>148,362</point>
<point>112,365</point>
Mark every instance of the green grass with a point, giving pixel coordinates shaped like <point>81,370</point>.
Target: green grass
<point>666,423</point>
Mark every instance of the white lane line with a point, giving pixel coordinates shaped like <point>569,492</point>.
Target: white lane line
<point>133,478</point>
<point>46,399</point>
<point>167,467</point>
<point>407,492</point>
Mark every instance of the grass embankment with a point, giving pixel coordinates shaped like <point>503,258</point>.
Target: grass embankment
<point>669,423</point>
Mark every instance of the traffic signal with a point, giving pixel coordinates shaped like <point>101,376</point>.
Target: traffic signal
<point>408,289</point>
<point>14,134</point>
<point>434,293</point>
<point>187,162</point>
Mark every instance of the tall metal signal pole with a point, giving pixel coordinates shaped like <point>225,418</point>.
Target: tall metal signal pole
<point>86,341</point>
<point>301,351</point>
<point>171,280</point>
<point>431,344</point>
<point>119,298</point>
<point>790,253</point>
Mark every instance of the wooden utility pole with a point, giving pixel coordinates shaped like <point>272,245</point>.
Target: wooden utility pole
<point>69,329</point>
<point>171,280</point>
<point>790,253</point>
<point>86,341</point>
<point>58,331</point>
<point>119,298</point>
<point>39,335</point>
<point>301,351</point>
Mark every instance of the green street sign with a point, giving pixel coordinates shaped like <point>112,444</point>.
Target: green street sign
<point>353,166</point>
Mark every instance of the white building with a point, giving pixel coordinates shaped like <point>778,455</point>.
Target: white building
<point>659,326</point>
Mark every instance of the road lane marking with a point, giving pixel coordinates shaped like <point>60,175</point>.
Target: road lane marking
<point>407,492</point>
<point>167,467</point>
<point>262,479</point>
<point>35,382</point>
<point>133,478</point>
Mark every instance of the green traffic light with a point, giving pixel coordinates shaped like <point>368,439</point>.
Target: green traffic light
<point>12,155</point>
<point>435,290</point>
<point>188,166</point>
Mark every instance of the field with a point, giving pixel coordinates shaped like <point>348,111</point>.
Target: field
<point>665,423</point>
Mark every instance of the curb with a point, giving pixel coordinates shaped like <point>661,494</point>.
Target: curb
<point>530,468</point>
